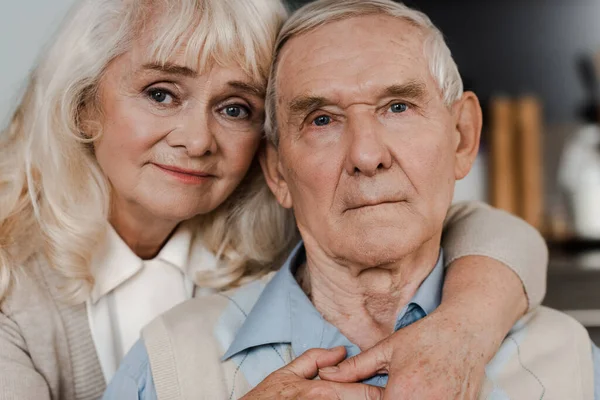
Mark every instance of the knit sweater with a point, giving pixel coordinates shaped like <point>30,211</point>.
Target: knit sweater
<point>46,346</point>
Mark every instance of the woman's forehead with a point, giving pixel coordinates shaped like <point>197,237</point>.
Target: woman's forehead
<point>185,64</point>
<point>195,42</point>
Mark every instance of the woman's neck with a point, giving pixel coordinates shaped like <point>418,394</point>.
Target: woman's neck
<point>364,307</point>
<point>143,233</point>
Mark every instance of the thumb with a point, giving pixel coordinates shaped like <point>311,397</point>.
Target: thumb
<point>371,362</point>
<point>307,365</point>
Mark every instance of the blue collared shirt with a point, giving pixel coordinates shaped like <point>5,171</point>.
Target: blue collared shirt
<point>284,314</point>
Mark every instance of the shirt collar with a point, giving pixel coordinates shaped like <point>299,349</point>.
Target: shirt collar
<point>429,294</point>
<point>270,320</point>
<point>114,262</point>
<point>177,249</point>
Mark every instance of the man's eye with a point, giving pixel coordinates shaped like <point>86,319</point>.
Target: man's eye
<point>398,107</point>
<point>235,112</point>
<point>322,120</point>
<point>161,96</point>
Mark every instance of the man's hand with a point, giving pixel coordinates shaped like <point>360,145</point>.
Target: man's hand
<point>296,380</point>
<point>431,359</point>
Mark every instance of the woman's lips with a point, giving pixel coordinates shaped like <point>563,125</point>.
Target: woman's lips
<point>185,175</point>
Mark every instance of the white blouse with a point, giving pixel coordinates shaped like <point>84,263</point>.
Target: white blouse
<point>130,292</point>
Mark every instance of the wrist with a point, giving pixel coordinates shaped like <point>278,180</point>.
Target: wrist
<point>481,325</point>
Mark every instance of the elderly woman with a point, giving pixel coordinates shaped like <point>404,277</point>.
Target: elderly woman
<point>129,184</point>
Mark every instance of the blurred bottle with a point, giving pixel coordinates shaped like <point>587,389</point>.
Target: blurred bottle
<point>529,152</point>
<point>503,185</point>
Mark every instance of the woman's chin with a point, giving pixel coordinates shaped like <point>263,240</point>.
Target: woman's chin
<point>177,210</point>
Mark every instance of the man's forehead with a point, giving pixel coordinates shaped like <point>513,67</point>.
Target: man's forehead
<point>366,53</point>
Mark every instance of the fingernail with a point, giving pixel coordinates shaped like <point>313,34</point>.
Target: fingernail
<point>329,370</point>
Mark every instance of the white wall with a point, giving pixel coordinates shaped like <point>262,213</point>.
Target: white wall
<point>25,27</point>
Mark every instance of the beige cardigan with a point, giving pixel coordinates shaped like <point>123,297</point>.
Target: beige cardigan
<point>46,347</point>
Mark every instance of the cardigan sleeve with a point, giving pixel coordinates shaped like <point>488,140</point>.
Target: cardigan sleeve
<point>476,229</point>
<point>18,377</point>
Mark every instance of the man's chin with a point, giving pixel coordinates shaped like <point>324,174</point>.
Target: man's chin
<point>379,247</point>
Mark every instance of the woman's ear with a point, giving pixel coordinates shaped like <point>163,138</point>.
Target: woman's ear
<point>467,112</point>
<point>272,170</point>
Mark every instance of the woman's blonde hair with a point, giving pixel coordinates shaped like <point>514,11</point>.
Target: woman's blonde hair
<point>54,199</point>
<point>321,12</point>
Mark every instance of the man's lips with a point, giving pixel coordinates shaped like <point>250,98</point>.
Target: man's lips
<point>372,203</point>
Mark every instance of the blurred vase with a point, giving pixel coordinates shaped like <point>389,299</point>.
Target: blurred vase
<point>579,177</point>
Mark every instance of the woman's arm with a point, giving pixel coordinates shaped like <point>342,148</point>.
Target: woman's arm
<point>497,267</point>
<point>18,376</point>
<point>476,229</point>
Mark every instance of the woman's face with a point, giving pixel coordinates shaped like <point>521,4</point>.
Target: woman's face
<point>176,143</point>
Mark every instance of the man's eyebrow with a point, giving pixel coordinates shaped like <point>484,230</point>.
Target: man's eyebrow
<point>303,105</point>
<point>170,68</point>
<point>253,89</point>
<point>410,90</point>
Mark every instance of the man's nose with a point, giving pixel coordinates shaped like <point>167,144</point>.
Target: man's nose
<point>196,136</point>
<point>367,152</point>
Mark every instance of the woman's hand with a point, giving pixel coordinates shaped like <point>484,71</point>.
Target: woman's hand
<point>443,356</point>
<point>296,380</point>
<point>434,358</point>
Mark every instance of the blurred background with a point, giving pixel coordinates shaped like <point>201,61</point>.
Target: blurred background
<point>535,65</point>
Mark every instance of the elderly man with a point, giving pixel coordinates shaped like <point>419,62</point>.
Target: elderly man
<point>368,135</point>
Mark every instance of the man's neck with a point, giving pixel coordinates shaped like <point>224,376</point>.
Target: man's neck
<point>364,306</point>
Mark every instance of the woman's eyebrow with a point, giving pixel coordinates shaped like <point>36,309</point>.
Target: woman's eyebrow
<point>250,88</point>
<point>170,68</point>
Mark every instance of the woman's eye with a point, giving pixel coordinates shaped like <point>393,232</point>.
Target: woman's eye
<point>236,112</point>
<point>322,120</point>
<point>398,107</point>
<point>161,96</point>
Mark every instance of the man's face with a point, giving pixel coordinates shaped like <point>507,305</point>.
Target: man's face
<point>368,150</point>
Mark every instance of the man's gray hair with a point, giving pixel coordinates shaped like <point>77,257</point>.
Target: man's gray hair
<point>321,12</point>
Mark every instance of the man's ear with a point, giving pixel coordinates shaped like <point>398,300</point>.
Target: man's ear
<point>271,168</point>
<point>467,114</point>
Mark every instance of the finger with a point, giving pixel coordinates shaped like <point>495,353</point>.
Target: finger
<point>307,365</point>
<point>357,391</point>
<point>371,362</point>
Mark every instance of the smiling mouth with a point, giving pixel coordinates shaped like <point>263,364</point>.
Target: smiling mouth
<point>185,175</point>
